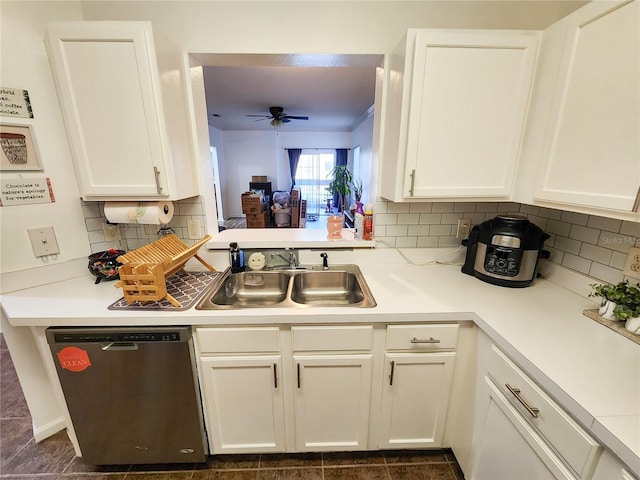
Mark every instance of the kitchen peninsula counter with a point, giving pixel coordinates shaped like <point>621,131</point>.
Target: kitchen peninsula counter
<point>591,370</point>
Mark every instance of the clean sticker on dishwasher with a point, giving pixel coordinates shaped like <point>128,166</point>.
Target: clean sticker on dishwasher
<point>74,359</point>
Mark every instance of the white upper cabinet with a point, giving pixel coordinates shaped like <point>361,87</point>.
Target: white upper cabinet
<point>588,143</point>
<point>110,93</point>
<point>455,109</point>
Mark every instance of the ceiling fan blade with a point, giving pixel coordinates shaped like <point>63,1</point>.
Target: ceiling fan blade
<point>296,117</point>
<point>261,116</point>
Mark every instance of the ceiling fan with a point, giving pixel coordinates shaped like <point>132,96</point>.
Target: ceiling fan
<point>278,117</point>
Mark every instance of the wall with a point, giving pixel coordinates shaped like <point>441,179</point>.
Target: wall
<point>25,65</point>
<point>595,246</point>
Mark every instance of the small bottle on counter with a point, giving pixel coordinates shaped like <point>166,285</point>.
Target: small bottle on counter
<point>235,258</point>
<point>358,220</point>
<point>367,233</point>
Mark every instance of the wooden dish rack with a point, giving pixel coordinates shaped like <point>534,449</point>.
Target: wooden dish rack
<point>144,271</point>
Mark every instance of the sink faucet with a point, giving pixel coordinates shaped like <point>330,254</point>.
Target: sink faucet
<point>325,262</point>
<point>292,260</point>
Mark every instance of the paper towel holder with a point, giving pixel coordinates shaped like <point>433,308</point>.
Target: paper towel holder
<point>165,230</point>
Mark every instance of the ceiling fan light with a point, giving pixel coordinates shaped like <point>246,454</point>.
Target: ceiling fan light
<point>276,123</point>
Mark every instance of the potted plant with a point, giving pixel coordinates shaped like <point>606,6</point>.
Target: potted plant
<point>340,184</point>
<point>620,301</point>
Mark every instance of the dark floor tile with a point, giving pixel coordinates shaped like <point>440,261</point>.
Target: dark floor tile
<point>49,456</point>
<point>307,473</point>
<point>427,471</point>
<point>15,433</point>
<point>13,404</point>
<point>77,465</point>
<point>229,462</point>
<point>414,456</point>
<point>158,476</point>
<point>29,477</point>
<point>457,471</point>
<point>353,458</point>
<point>91,476</point>
<point>225,475</point>
<point>356,473</point>
<point>281,460</point>
<point>161,467</point>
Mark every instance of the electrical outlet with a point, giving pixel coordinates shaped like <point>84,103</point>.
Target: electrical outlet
<point>464,228</point>
<point>632,267</point>
<point>111,232</point>
<point>194,229</point>
<point>43,241</point>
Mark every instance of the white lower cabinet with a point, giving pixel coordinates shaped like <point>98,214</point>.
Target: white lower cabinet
<point>416,385</point>
<point>244,402</point>
<point>332,402</point>
<point>520,432</point>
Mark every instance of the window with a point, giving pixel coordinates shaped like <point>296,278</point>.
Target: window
<point>312,178</point>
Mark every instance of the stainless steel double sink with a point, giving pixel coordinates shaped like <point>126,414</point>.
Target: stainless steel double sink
<point>299,287</point>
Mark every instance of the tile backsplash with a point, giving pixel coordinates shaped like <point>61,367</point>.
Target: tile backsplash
<point>135,236</point>
<point>592,245</point>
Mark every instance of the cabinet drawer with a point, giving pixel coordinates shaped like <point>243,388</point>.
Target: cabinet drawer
<point>422,337</point>
<point>571,441</point>
<point>238,339</point>
<point>338,337</point>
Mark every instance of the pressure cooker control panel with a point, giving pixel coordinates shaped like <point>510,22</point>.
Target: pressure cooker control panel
<point>503,261</point>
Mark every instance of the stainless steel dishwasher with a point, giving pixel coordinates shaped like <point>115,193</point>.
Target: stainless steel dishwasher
<point>132,393</point>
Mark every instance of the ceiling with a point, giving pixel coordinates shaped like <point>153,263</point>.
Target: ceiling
<point>335,92</point>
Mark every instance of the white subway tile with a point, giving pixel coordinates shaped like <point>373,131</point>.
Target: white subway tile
<point>509,207</point>
<point>551,213</point>
<point>555,255</point>
<point>398,207</point>
<point>427,242</point>
<point>560,228</point>
<point>597,254</point>
<point>602,223</point>
<point>584,234</point>
<point>96,236</point>
<point>406,242</point>
<point>451,218</point>
<point>618,260</point>
<point>567,245</point>
<point>386,218</point>
<point>442,207</point>
<point>576,263</point>
<point>93,224</point>
<point>529,209</point>
<point>464,207</point>
<point>605,273</point>
<point>381,206</point>
<point>418,230</point>
<point>440,230</point>
<point>408,218</point>
<point>430,218</point>
<point>575,218</point>
<point>631,229</point>
<point>448,241</point>
<point>189,208</point>
<point>386,241</point>
<point>397,230</point>
<point>421,207</point>
<point>487,207</point>
<point>616,241</point>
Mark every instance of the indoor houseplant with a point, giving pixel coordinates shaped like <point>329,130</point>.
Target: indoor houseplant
<point>624,296</point>
<point>341,182</point>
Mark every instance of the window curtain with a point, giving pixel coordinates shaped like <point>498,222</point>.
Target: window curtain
<point>294,158</point>
<point>342,155</point>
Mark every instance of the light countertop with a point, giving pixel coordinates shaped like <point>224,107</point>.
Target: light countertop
<point>591,370</point>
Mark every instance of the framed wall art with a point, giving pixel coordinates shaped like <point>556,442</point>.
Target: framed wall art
<point>17,148</point>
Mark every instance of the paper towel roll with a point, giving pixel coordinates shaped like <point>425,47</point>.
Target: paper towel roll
<point>150,213</point>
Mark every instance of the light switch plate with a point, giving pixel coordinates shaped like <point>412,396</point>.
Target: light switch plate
<point>43,241</point>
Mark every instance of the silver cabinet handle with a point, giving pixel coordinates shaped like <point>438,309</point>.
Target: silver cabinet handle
<point>118,346</point>
<point>533,411</point>
<point>275,375</point>
<point>298,372</point>
<point>425,340</point>
<point>393,368</point>
<point>156,174</point>
<point>413,181</point>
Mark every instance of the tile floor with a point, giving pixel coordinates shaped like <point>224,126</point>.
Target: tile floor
<point>22,459</point>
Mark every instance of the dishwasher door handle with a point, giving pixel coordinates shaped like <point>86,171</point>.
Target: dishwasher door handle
<point>118,346</point>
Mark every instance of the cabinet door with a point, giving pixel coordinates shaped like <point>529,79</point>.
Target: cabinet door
<point>469,98</point>
<point>109,91</point>
<point>592,146</point>
<point>243,402</point>
<point>415,398</point>
<point>332,396</point>
<point>507,448</point>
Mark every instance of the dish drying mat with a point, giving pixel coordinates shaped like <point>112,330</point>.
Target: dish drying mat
<point>187,288</point>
